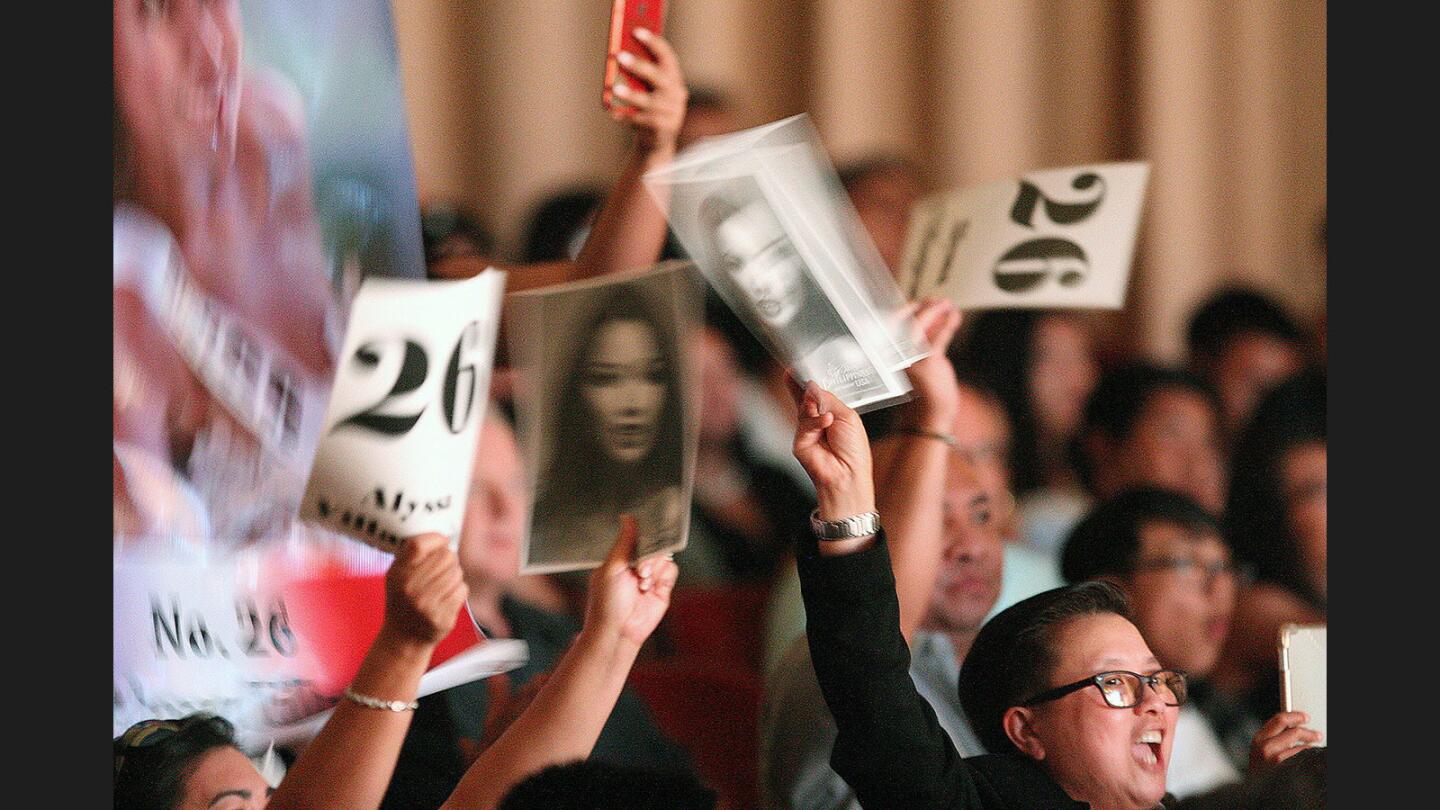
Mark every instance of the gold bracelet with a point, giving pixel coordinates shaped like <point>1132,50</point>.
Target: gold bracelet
<point>949,440</point>
<point>376,703</point>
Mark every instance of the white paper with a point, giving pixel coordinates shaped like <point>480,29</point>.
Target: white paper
<point>608,423</point>
<point>1055,238</point>
<point>765,219</point>
<point>400,433</point>
<point>1303,669</point>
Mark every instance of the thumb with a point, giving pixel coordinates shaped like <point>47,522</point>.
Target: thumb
<point>624,548</point>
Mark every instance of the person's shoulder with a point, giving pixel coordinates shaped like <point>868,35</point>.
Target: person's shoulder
<point>1018,781</point>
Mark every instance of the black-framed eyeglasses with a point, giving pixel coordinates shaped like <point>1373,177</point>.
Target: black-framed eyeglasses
<point>1241,573</point>
<point>1122,689</point>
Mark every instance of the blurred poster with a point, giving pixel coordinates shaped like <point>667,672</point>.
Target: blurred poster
<point>261,171</point>
<point>262,168</point>
<point>762,214</point>
<point>1055,238</point>
<point>400,433</point>
<point>267,641</point>
<point>607,418</point>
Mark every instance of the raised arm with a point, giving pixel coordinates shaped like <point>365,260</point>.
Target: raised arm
<point>350,761</point>
<point>889,747</point>
<point>911,465</point>
<point>629,230</point>
<point>564,720</point>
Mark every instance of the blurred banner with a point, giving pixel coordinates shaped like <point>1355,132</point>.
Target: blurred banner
<point>765,218</point>
<point>607,413</point>
<point>261,170</point>
<point>401,430</point>
<point>1054,238</point>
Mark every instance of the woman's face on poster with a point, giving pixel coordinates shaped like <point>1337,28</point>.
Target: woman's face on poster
<point>177,75</point>
<point>623,383</point>
<point>758,256</point>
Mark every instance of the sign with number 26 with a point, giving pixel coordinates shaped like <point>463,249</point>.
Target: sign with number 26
<point>399,440</point>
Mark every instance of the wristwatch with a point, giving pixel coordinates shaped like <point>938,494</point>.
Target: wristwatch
<point>849,528</point>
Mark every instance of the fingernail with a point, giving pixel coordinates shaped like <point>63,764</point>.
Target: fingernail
<point>644,571</point>
<point>642,33</point>
<point>644,585</point>
<point>622,89</point>
<point>625,58</point>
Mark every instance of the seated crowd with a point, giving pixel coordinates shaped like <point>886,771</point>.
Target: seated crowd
<point>1074,597</point>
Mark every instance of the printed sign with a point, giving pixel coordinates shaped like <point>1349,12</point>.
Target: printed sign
<point>400,433</point>
<point>265,640</point>
<point>763,216</point>
<point>1055,238</point>
<point>607,414</point>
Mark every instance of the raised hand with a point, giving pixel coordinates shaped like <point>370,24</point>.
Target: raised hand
<point>937,395</point>
<point>424,589</point>
<point>658,113</point>
<point>629,601</point>
<point>1283,736</point>
<point>830,443</point>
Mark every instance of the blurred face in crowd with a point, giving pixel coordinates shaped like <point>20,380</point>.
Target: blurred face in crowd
<point>1109,757</point>
<point>1175,444</point>
<point>177,78</point>
<point>982,434</point>
<point>764,265</point>
<point>1251,365</point>
<point>1062,373</point>
<point>969,579</point>
<point>1182,592</point>
<point>1303,485</point>
<point>719,389</point>
<point>883,199</point>
<point>623,385</point>
<point>495,512</point>
<point>705,121</point>
<point>225,779</point>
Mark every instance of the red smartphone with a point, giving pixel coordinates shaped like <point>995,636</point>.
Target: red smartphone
<point>625,17</point>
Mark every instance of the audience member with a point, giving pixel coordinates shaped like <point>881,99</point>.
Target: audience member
<point>451,724</point>
<point>883,188</point>
<point>1167,554</point>
<point>194,762</point>
<point>595,785</point>
<point>558,226</point>
<point>1149,425</point>
<point>797,732</point>
<point>448,232</point>
<point>1042,366</point>
<point>1276,521</point>
<point>1242,343</point>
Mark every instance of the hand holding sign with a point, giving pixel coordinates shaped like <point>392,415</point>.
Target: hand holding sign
<point>424,590</point>
<point>399,440</point>
<point>1056,238</point>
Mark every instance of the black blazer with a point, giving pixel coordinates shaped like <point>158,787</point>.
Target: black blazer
<point>889,746</point>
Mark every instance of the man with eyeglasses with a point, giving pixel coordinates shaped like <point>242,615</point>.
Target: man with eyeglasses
<point>1166,553</point>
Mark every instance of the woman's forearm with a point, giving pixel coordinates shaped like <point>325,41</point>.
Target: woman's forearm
<point>560,725</point>
<point>629,232</point>
<point>351,760</point>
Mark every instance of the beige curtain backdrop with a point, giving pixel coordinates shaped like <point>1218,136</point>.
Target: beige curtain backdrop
<point>1225,98</point>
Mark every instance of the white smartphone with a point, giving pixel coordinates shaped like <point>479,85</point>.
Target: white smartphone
<point>1302,674</point>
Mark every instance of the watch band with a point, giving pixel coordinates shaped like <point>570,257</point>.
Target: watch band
<point>849,528</point>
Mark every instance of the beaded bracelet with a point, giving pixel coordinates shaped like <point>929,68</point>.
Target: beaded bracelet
<point>376,703</point>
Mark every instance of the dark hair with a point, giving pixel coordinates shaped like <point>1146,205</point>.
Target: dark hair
<point>152,777</point>
<point>598,785</point>
<point>855,172</point>
<point>998,351</point>
<point>706,98</point>
<point>555,220</point>
<point>1118,401</point>
<point>1106,541</point>
<point>583,466</point>
<point>1233,312</point>
<point>1256,518</point>
<point>1013,656</point>
<point>442,222</point>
